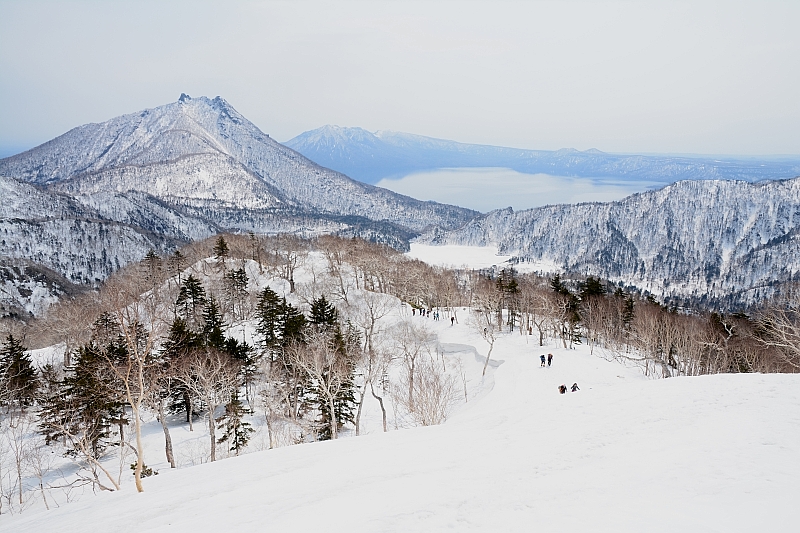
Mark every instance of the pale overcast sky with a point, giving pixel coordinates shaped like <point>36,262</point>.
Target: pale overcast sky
<point>693,77</point>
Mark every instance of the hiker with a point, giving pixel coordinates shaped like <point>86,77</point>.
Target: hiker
<point>542,358</point>
<point>562,389</point>
<point>575,387</point>
<point>549,359</point>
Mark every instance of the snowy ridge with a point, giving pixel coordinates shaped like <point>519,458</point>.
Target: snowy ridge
<point>82,239</point>
<point>693,238</point>
<point>370,157</point>
<point>203,148</point>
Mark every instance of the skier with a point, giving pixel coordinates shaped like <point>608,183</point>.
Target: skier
<point>562,389</point>
<point>542,359</point>
<point>413,311</point>
<point>575,387</point>
<point>452,320</point>
<point>549,359</point>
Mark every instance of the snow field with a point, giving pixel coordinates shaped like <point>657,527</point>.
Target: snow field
<point>625,453</point>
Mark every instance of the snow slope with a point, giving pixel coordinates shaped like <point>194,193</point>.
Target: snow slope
<point>716,453</point>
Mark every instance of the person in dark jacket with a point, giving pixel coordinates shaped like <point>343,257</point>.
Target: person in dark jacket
<point>575,387</point>
<point>562,389</point>
<point>549,359</point>
<point>541,357</point>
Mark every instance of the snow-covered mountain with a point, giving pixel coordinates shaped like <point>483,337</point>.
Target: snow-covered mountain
<point>202,151</point>
<point>101,195</point>
<point>698,239</point>
<point>369,157</point>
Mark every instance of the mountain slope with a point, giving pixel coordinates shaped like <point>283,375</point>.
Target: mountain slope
<point>49,240</point>
<point>369,157</point>
<point>204,150</point>
<point>703,239</point>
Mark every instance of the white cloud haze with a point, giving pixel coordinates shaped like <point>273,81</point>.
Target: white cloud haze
<point>703,77</point>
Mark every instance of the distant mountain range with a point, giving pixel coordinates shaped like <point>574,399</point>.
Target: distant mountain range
<point>370,157</point>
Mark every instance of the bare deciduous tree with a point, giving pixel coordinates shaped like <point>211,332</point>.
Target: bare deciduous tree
<point>320,359</point>
<point>211,375</point>
<point>287,253</point>
<point>780,327</point>
<point>365,311</point>
<point>435,392</point>
<point>138,310</point>
<point>411,340</point>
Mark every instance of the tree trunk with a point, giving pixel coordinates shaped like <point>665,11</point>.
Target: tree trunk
<point>211,427</point>
<point>334,427</point>
<point>360,404</point>
<point>383,409</point>
<point>167,437</point>
<point>488,355</point>
<point>137,473</point>
<point>270,433</point>
<point>411,386</point>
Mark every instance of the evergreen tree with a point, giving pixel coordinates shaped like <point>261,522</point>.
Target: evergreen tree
<point>236,291</point>
<point>592,287</point>
<point>627,311</point>
<point>325,318</point>
<point>84,405</point>
<point>324,315</point>
<point>152,266</point>
<point>344,404</point>
<point>179,343</point>
<point>558,286</point>
<point>248,360</point>
<point>180,339</point>
<point>279,322</point>
<point>191,301</point>
<point>18,378</point>
<point>236,430</point>
<point>176,263</point>
<point>571,317</point>
<point>293,323</point>
<point>269,326</point>
<point>212,325</point>
<point>221,250</point>
<point>509,288</point>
